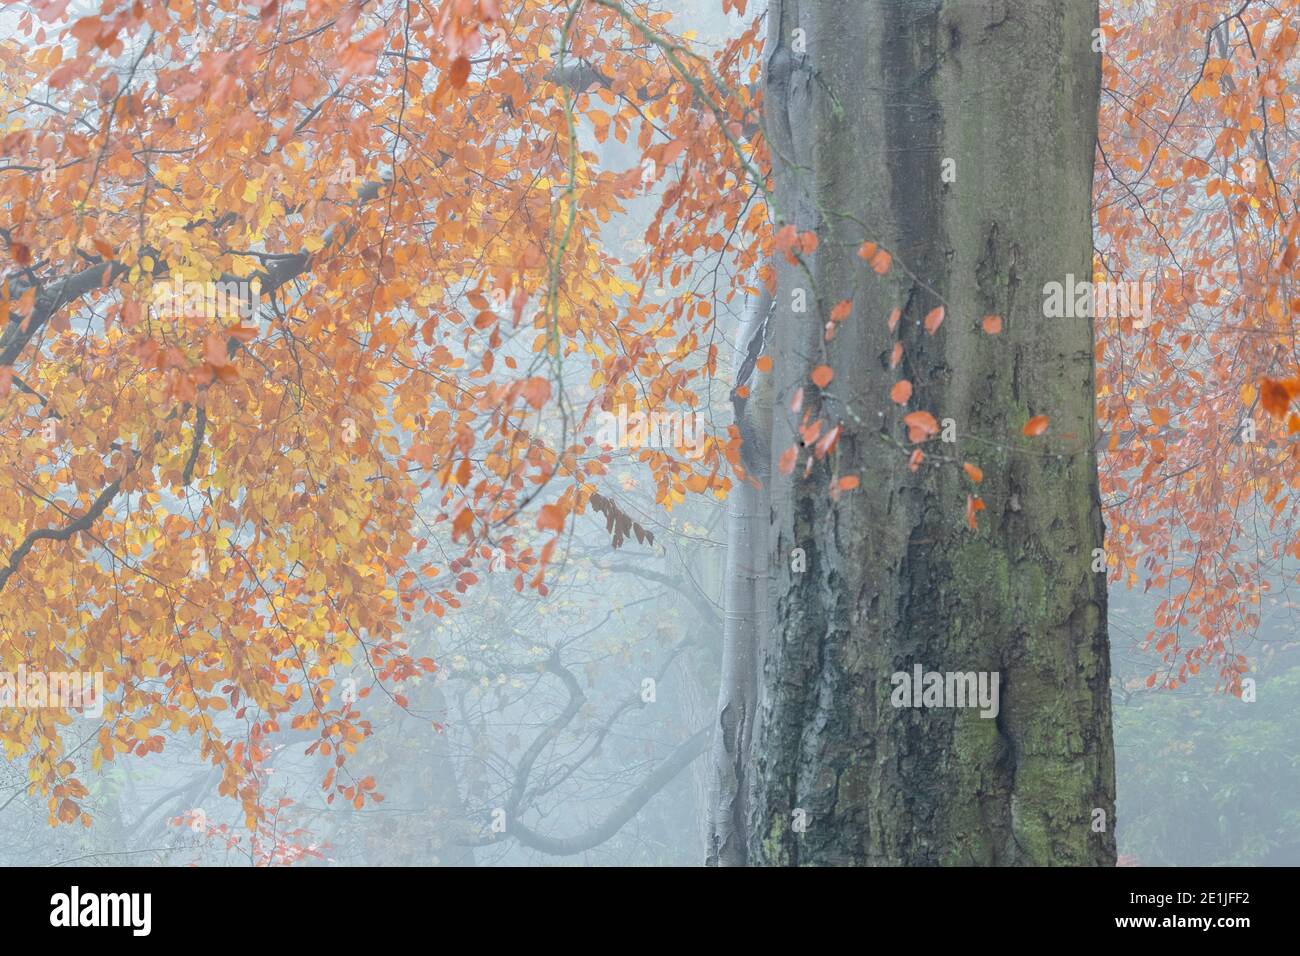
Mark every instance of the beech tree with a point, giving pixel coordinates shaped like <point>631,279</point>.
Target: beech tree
<point>864,108</point>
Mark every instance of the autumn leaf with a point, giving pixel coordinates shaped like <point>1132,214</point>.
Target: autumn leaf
<point>788,458</point>
<point>822,375</point>
<point>842,310</point>
<point>901,391</point>
<point>992,324</point>
<point>550,518</point>
<point>920,426</point>
<point>214,351</point>
<point>536,391</point>
<point>1036,425</point>
<point>1274,396</point>
<point>826,444</point>
<point>973,504</point>
<point>459,72</point>
<point>934,319</point>
<point>785,240</point>
<point>849,482</point>
<point>974,472</point>
<point>764,363</point>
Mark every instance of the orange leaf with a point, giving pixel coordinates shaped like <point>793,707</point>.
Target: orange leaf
<point>1036,425</point>
<point>867,250</point>
<point>973,471</point>
<point>827,442</point>
<point>788,459</point>
<point>881,262</point>
<point>1159,416</point>
<point>901,391</point>
<point>764,363</point>
<point>842,310</point>
<point>914,462</point>
<point>973,504</point>
<point>785,238</point>
<point>214,351</point>
<point>537,391</point>
<point>551,518</point>
<point>894,316</point>
<point>849,482</point>
<point>992,324</point>
<point>822,375</point>
<point>920,426</point>
<point>459,71</point>
<point>896,355</point>
<point>1274,396</point>
<point>934,319</point>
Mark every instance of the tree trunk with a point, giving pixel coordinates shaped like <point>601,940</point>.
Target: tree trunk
<point>864,103</point>
<point>745,601</point>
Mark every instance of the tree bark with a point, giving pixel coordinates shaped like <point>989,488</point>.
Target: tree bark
<point>863,105</point>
